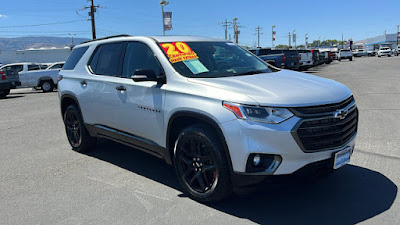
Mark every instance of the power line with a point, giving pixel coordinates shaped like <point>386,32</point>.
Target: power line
<point>42,24</point>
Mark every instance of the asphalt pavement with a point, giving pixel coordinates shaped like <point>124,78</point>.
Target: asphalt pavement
<point>42,181</point>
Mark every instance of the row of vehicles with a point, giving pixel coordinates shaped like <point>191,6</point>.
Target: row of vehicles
<point>294,59</point>
<point>35,75</point>
<point>382,51</point>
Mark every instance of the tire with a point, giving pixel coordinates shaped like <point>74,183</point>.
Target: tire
<point>379,55</point>
<point>201,164</point>
<point>47,85</point>
<point>351,59</point>
<point>77,134</point>
<point>4,93</point>
<point>340,59</point>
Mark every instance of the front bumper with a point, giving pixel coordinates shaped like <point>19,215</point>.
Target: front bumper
<point>244,137</point>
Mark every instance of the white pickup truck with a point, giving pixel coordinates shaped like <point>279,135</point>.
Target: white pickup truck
<point>306,59</point>
<point>45,79</point>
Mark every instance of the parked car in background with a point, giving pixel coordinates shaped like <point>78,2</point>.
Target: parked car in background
<point>397,50</point>
<point>384,51</point>
<point>8,79</point>
<point>273,57</point>
<point>221,122</point>
<point>44,79</point>
<point>292,59</point>
<point>322,58</point>
<point>371,52</point>
<point>315,56</point>
<point>306,59</point>
<point>345,54</point>
<point>360,52</point>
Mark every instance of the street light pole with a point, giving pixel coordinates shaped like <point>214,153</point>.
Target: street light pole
<point>397,36</point>
<point>294,39</point>
<point>305,39</point>
<point>72,38</point>
<point>163,3</point>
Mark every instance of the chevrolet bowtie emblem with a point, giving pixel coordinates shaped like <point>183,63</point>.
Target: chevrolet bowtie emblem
<point>341,113</point>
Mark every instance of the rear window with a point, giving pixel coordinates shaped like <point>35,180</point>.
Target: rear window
<point>74,58</point>
<point>33,67</point>
<point>107,59</point>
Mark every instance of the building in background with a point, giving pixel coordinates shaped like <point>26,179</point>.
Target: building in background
<point>386,39</point>
<point>40,55</point>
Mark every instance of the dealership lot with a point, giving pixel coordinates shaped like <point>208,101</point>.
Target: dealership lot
<point>44,182</point>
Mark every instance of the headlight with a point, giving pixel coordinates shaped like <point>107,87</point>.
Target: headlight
<point>260,114</point>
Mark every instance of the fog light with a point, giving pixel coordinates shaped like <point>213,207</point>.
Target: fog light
<point>256,160</point>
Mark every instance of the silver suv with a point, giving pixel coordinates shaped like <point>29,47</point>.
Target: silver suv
<point>220,115</point>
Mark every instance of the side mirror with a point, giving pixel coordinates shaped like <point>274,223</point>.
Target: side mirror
<point>141,75</point>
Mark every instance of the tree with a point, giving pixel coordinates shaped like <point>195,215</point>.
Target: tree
<point>301,46</point>
<point>281,46</point>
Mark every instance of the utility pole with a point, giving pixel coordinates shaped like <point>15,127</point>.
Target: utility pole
<point>226,24</point>
<point>273,35</point>
<point>236,30</point>
<point>163,3</point>
<point>290,41</point>
<point>93,10</point>
<point>258,29</point>
<point>342,41</point>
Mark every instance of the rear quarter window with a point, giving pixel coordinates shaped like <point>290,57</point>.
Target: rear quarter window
<point>74,58</point>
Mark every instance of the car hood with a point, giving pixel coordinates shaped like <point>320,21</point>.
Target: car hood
<point>284,88</point>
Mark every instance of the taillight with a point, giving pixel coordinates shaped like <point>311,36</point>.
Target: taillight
<point>59,77</point>
<point>299,56</point>
<point>283,58</point>
<point>3,75</point>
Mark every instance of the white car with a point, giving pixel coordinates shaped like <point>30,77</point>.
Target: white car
<point>384,51</point>
<point>221,120</point>
<point>345,54</point>
<point>45,79</point>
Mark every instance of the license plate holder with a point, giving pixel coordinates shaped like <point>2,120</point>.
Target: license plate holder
<point>342,157</point>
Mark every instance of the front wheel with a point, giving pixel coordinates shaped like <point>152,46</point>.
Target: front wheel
<point>201,164</point>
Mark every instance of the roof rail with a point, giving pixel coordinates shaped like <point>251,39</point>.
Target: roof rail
<point>104,38</point>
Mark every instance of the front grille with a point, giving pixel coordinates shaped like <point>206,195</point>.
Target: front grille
<point>315,110</point>
<point>317,133</point>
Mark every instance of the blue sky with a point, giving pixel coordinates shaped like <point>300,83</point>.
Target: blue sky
<point>320,19</point>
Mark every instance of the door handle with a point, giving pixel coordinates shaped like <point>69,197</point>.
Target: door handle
<point>84,83</point>
<point>121,88</point>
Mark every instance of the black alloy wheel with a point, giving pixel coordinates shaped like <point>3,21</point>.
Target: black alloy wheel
<point>73,127</point>
<point>78,137</point>
<point>197,164</point>
<point>201,165</point>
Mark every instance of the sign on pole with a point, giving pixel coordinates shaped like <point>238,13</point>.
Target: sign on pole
<point>167,20</point>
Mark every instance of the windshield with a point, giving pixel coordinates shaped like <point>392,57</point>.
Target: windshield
<point>212,59</point>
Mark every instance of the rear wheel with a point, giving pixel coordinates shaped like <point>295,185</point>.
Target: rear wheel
<point>4,93</point>
<point>201,164</point>
<point>78,137</point>
<point>47,85</point>
<point>351,58</point>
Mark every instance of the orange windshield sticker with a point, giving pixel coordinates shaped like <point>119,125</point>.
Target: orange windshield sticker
<point>178,51</point>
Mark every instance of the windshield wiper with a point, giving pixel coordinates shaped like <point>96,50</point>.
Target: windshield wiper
<point>251,72</point>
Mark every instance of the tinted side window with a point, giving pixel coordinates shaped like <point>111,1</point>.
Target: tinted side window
<point>33,67</point>
<point>109,60</point>
<point>95,58</point>
<point>139,56</point>
<point>74,58</point>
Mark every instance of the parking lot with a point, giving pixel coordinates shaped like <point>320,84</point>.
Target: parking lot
<point>44,182</point>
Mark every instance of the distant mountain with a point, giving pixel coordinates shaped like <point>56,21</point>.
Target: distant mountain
<point>22,43</point>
